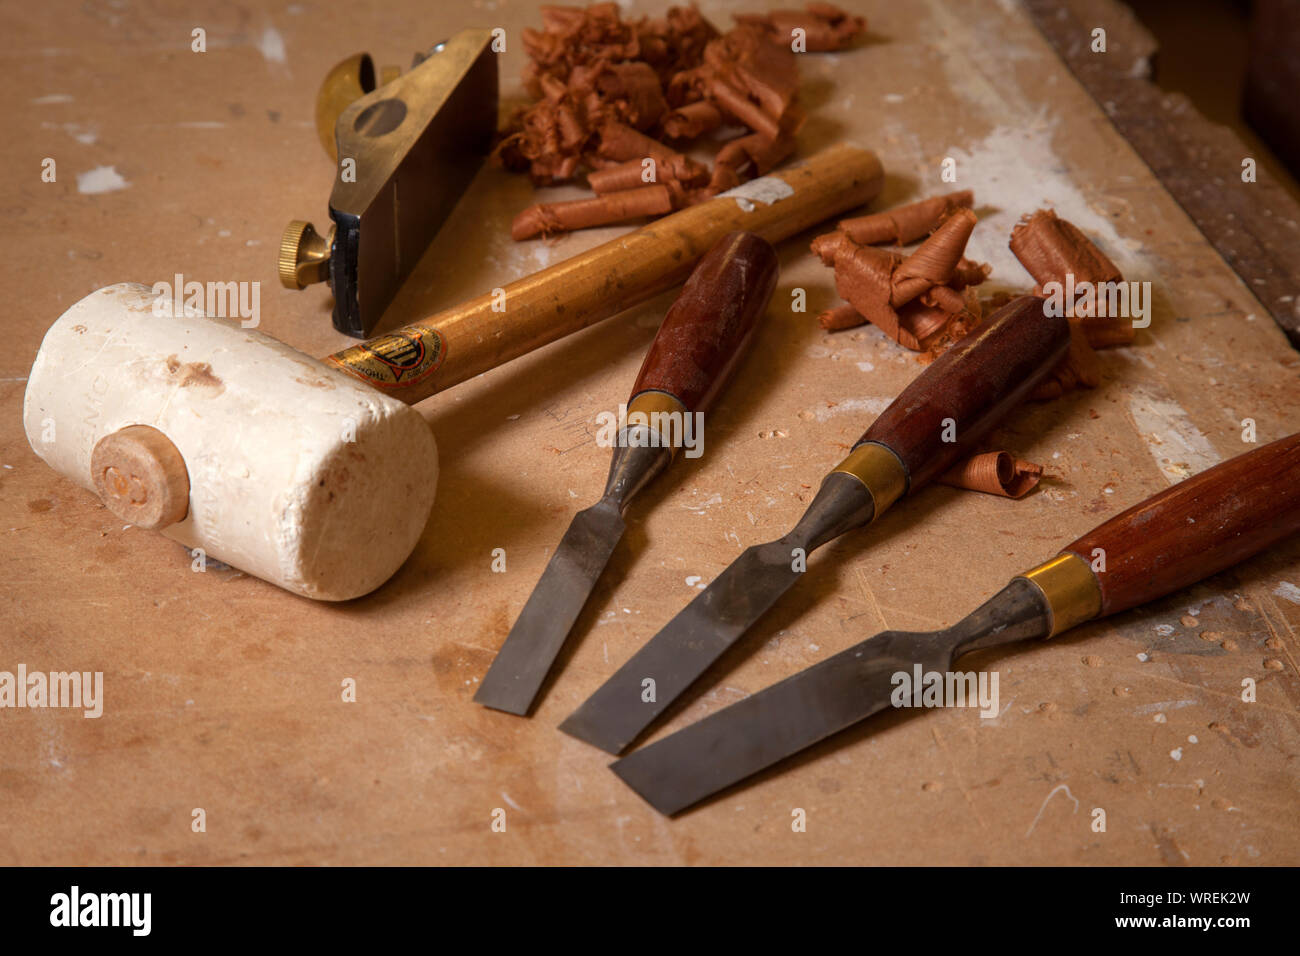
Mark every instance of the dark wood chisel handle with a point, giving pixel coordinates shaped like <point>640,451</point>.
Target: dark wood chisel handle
<point>1196,528</point>
<point>704,334</point>
<point>947,410</point>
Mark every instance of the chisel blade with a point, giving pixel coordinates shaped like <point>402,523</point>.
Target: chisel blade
<point>740,740</point>
<point>521,666</point>
<point>759,731</point>
<point>625,705</point>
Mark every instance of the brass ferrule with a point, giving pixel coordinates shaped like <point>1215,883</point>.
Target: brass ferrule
<point>656,406</point>
<point>1070,589</point>
<point>883,472</point>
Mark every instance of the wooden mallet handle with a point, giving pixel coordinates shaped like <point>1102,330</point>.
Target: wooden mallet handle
<point>459,343</point>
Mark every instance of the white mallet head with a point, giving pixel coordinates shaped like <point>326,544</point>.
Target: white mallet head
<point>259,455</point>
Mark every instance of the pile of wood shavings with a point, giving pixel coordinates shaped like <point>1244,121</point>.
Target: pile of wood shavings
<point>926,300</point>
<point>612,95</point>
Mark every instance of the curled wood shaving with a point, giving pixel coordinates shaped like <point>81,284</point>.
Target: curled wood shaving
<point>753,66</point>
<point>934,260</point>
<point>969,273</point>
<point>842,316</point>
<point>904,224</point>
<point>629,92</point>
<point>617,177</point>
<point>691,120</point>
<point>621,143</point>
<point>1050,248</point>
<point>747,157</point>
<point>609,91</point>
<point>907,297</point>
<point>826,27</point>
<point>552,217</point>
<point>994,473</point>
<point>575,36</point>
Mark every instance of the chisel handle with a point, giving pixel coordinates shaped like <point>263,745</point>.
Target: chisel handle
<point>1190,531</point>
<point>948,409</point>
<point>1198,527</point>
<point>708,326</point>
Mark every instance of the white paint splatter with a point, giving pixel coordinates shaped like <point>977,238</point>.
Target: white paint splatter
<point>1176,753</point>
<point>271,45</point>
<point>1178,447</point>
<point>700,507</point>
<point>1014,170</point>
<point>85,135</point>
<point>101,179</point>
<point>1059,787</point>
<point>1288,591</point>
<point>51,98</point>
<point>1165,705</point>
<point>872,406</point>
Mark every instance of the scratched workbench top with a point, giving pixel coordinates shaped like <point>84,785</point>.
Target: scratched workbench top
<point>223,693</point>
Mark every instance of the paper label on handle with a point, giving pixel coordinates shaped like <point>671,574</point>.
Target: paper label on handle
<point>397,360</point>
<point>766,190</point>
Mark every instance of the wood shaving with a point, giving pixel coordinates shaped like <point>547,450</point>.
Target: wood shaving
<point>609,92</point>
<point>826,27</point>
<point>910,297</point>
<point>551,217</point>
<point>904,224</point>
<point>1050,248</point>
<point>994,473</point>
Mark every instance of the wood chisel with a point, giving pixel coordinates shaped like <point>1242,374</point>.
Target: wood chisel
<point>938,418</point>
<point>689,361</point>
<point>1185,533</point>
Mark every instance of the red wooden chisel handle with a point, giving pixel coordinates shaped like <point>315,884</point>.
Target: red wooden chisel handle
<point>1197,528</point>
<point>707,327</point>
<point>1185,533</point>
<point>945,412</point>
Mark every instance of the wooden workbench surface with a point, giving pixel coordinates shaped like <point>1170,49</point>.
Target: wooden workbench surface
<point>224,693</point>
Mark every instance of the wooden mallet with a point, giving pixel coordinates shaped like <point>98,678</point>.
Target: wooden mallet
<point>317,475</point>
